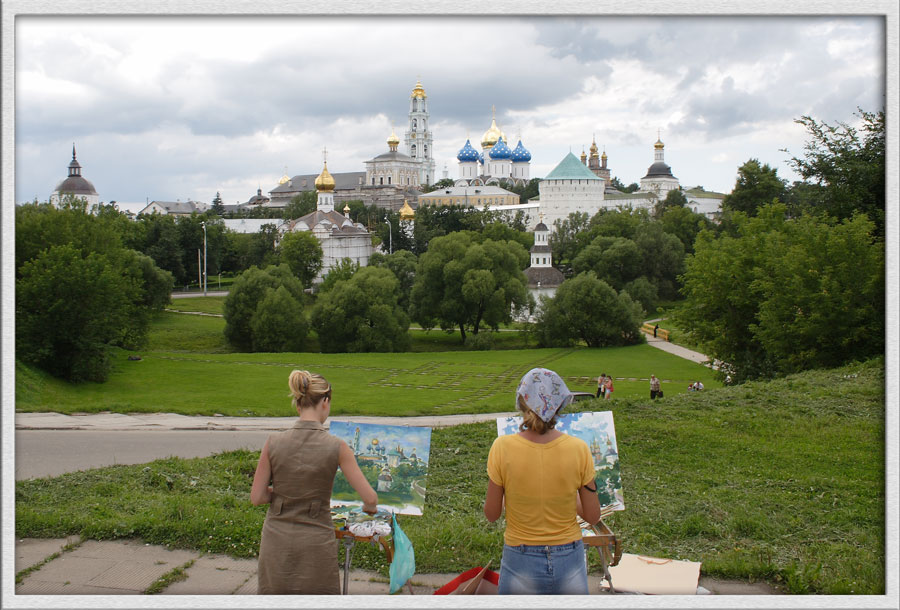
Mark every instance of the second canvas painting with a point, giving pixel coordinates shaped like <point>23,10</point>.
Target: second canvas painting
<point>598,431</point>
<point>394,460</point>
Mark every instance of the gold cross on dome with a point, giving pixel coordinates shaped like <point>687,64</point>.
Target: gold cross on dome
<point>325,155</point>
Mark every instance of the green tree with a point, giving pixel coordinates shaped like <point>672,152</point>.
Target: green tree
<point>615,260</point>
<point>621,222</point>
<point>588,309</point>
<point>566,240</point>
<point>848,163</point>
<point>402,264</point>
<point>685,225</point>
<point>786,295</point>
<point>643,291</point>
<point>218,208</point>
<point>674,199</point>
<point>246,292</point>
<point>662,258</point>
<point>161,243</point>
<point>343,270</point>
<point>362,314</point>
<point>300,205</point>
<point>71,308</point>
<point>278,324</point>
<point>756,185</point>
<point>463,284</point>
<point>302,252</point>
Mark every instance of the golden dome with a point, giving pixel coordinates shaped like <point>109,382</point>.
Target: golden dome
<point>659,145</point>
<point>603,156</point>
<point>491,136</point>
<point>284,179</point>
<point>583,155</point>
<point>418,91</point>
<point>406,212</point>
<point>325,183</point>
<point>594,148</point>
<point>393,141</point>
<point>346,209</point>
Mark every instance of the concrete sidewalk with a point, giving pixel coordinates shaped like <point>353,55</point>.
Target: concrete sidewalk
<point>68,566</point>
<point>172,421</point>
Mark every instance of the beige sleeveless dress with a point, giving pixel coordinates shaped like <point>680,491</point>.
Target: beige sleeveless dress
<point>298,553</point>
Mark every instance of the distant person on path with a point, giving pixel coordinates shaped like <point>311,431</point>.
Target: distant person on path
<point>609,387</point>
<point>654,388</point>
<point>298,552</point>
<point>601,385</point>
<point>543,478</point>
<point>655,328</point>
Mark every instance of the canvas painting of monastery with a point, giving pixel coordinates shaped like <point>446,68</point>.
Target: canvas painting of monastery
<point>598,431</point>
<point>394,460</point>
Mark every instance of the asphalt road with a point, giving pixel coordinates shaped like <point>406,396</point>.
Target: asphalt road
<point>45,453</point>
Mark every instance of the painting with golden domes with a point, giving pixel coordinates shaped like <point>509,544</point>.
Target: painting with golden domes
<point>598,431</point>
<point>394,460</point>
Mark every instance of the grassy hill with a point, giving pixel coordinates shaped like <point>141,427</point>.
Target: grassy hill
<point>781,481</point>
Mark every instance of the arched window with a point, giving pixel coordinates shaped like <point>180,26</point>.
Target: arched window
<point>389,179</point>
<point>373,180</point>
<point>381,180</point>
<point>414,124</point>
<point>412,150</point>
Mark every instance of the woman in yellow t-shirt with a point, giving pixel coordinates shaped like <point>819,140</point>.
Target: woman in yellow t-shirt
<point>543,478</point>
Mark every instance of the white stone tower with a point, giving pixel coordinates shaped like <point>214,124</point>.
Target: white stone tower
<point>419,143</point>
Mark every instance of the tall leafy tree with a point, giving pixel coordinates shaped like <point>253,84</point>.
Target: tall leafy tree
<point>246,293</point>
<point>463,284</point>
<point>848,165</point>
<point>218,208</point>
<point>278,324</point>
<point>362,314</point>
<point>757,185</point>
<point>786,295</point>
<point>402,264</point>
<point>588,309</point>
<point>302,252</point>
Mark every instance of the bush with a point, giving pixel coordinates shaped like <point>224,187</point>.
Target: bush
<point>69,310</point>
<point>362,314</point>
<point>483,341</point>
<point>278,324</point>
<point>643,292</point>
<point>244,298</point>
<point>588,309</point>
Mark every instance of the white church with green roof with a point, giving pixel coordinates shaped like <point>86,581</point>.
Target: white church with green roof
<point>570,187</point>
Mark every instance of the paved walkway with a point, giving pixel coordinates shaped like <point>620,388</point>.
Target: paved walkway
<point>70,566</point>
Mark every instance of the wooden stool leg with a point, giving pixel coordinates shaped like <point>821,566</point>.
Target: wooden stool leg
<point>605,565</point>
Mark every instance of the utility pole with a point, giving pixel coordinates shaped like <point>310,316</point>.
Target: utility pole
<point>203,224</point>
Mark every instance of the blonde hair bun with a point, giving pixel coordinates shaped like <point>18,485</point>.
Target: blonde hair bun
<point>307,389</point>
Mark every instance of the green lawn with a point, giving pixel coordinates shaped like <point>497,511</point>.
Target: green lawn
<point>779,481</point>
<point>433,383</point>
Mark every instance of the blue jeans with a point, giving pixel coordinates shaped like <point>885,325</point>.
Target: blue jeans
<point>543,570</point>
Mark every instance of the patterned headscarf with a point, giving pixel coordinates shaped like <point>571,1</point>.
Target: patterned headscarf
<point>544,392</point>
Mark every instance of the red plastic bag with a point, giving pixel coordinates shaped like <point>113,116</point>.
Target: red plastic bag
<point>464,585</point>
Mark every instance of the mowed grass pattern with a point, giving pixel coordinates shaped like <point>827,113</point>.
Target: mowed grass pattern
<point>431,383</point>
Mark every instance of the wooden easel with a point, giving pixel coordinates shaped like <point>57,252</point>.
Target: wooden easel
<point>606,542</point>
<point>350,539</point>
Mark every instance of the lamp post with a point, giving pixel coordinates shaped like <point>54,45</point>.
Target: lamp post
<point>203,224</point>
<point>390,236</point>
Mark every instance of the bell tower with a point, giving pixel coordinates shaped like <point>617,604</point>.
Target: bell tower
<point>419,144</point>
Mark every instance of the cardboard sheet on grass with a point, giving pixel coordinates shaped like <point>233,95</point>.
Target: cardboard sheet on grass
<point>655,576</point>
<point>394,459</point>
<point>598,431</point>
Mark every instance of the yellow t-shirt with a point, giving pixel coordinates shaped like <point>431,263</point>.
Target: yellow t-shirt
<point>539,484</point>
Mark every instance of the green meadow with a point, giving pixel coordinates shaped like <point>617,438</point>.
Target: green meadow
<point>780,481</point>
<point>188,368</point>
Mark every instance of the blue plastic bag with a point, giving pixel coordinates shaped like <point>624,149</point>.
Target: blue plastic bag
<point>404,564</point>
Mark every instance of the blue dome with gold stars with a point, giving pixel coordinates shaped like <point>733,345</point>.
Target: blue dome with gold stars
<point>467,153</point>
<point>500,150</point>
<point>520,153</point>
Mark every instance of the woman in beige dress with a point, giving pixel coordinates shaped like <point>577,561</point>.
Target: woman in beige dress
<point>298,552</point>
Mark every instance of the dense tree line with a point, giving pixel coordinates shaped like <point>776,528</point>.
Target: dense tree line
<point>793,277</point>
<point>80,290</point>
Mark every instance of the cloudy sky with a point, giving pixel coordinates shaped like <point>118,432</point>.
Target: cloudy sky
<point>172,107</point>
